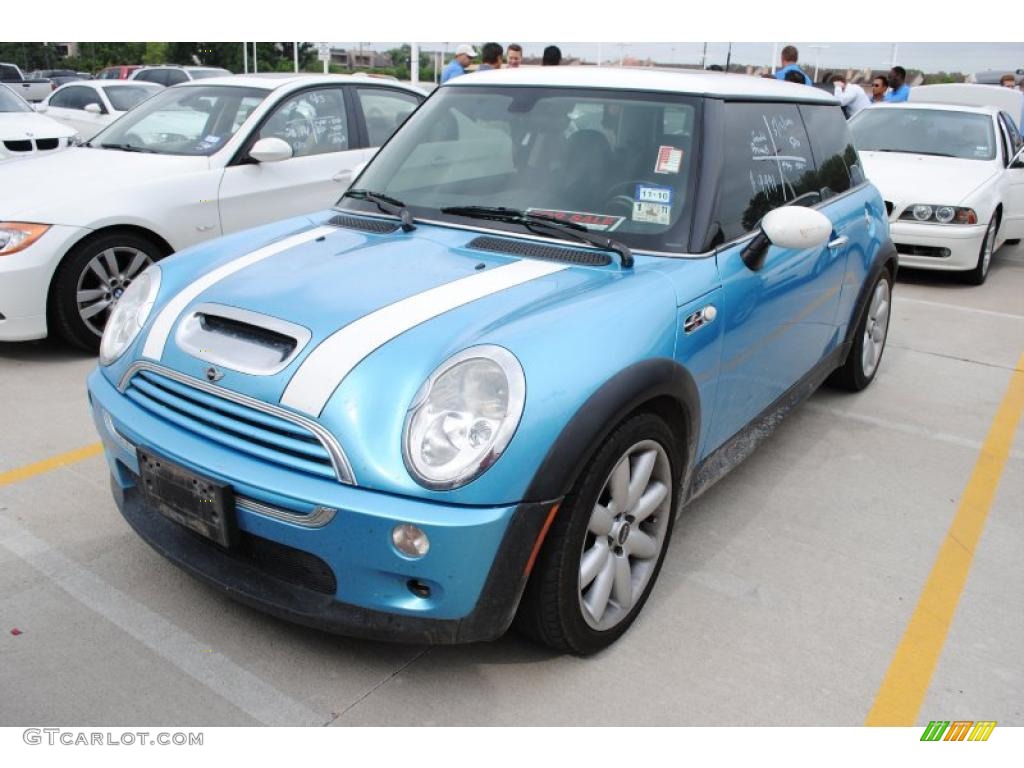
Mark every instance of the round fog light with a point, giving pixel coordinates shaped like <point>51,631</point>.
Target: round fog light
<point>410,540</point>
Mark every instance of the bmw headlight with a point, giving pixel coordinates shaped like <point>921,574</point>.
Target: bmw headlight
<point>129,315</point>
<point>463,417</point>
<point>941,214</point>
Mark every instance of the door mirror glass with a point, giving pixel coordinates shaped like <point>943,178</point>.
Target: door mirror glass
<point>270,150</point>
<point>94,109</point>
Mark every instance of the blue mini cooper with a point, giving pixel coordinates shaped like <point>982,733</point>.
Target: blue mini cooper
<point>556,305</point>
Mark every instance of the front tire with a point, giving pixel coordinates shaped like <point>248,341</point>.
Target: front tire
<point>92,278</point>
<point>869,340</point>
<point>604,551</point>
<point>979,274</point>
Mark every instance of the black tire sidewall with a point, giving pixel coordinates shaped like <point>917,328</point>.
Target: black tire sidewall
<point>68,323</point>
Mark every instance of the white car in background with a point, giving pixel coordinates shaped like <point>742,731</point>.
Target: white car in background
<point>951,174</point>
<point>191,163</point>
<point>174,75</point>
<point>89,106</point>
<point>23,133</point>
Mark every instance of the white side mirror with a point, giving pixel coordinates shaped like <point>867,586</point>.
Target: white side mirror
<point>270,150</point>
<point>794,226</point>
<point>93,109</point>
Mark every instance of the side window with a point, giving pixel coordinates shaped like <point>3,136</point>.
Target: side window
<point>1013,132</point>
<point>384,110</point>
<point>149,76</point>
<point>768,163</point>
<point>174,76</point>
<point>832,146</point>
<point>61,99</point>
<point>77,98</point>
<point>312,122</point>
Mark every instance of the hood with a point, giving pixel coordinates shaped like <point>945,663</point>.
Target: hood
<point>83,176</point>
<point>16,126</point>
<point>905,178</point>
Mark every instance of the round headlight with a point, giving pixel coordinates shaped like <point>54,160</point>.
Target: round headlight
<point>463,417</point>
<point>922,212</point>
<point>129,315</point>
<point>944,214</point>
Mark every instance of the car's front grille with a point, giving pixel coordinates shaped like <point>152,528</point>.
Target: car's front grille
<point>239,427</point>
<point>46,144</point>
<point>285,563</point>
<point>20,145</point>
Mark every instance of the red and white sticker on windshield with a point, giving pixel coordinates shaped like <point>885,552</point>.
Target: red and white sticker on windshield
<point>670,160</point>
<point>598,222</point>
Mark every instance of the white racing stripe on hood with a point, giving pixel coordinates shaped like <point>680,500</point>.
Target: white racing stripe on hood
<point>327,365</point>
<point>161,328</point>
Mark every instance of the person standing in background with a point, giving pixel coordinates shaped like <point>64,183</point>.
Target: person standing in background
<point>879,86</point>
<point>900,91</point>
<point>851,97</point>
<point>515,56</point>
<point>490,57</point>
<point>464,54</point>
<point>1008,81</point>
<point>552,56</point>
<point>789,58</point>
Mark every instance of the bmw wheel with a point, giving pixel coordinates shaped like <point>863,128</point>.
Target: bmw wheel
<point>606,546</point>
<point>979,274</point>
<point>92,278</point>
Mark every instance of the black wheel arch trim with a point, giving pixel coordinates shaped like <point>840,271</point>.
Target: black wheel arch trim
<point>649,382</point>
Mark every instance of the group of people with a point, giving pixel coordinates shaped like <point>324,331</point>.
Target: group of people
<point>493,56</point>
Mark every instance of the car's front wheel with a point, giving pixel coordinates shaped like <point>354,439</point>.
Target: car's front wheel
<point>979,274</point>
<point>604,551</point>
<point>869,341</point>
<point>90,282</point>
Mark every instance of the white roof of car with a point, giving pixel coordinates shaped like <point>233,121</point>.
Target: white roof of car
<point>943,107</point>
<point>639,79</point>
<point>272,81</point>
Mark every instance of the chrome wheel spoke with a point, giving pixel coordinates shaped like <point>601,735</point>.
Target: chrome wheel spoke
<point>653,497</point>
<point>596,599</point>
<point>94,309</point>
<point>90,294</point>
<point>619,485</point>
<point>593,561</point>
<point>100,271</point>
<point>640,476</point>
<point>111,260</point>
<point>622,589</point>
<point>640,545</point>
<point>601,520</point>
<point>137,264</point>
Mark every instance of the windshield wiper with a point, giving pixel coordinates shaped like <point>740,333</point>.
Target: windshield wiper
<point>914,152</point>
<point>128,148</point>
<point>386,204</point>
<point>535,220</point>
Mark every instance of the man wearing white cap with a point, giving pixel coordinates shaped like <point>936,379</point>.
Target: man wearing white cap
<point>457,66</point>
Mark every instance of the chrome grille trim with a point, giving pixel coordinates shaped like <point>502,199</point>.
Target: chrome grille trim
<point>339,461</point>
<point>318,518</point>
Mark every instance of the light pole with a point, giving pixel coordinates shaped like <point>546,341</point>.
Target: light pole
<point>817,58</point>
<point>245,57</point>
<point>295,55</point>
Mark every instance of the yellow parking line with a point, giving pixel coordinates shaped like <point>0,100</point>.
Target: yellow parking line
<point>903,690</point>
<point>31,470</point>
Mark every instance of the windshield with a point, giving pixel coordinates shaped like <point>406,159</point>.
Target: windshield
<point>618,162</point>
<point>926,132</point>
<point>11,102</point>
<point>183,121</point>
<point>124,97</point>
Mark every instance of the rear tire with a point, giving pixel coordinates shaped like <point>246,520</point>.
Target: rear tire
<point>92,278</point>
<point>979,274</point>
<point>869,339</point>
<point>605,548</point>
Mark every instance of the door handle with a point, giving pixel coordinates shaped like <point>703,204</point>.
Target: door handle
<point>839,242</point>
<point>342,176</point>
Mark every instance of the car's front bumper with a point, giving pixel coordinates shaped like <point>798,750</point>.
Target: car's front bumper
<point>951,247</point>
<point>25,282</point>
<point>476,568</point>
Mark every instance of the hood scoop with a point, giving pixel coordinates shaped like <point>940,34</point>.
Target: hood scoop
<point>377,226</point>
<point>534,250</point>
<point>240,340</point>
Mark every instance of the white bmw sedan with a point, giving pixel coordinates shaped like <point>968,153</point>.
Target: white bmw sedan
<point>89,106</point>
<point>193,162</point>
<point>952,178</point>
<point>23,133</point>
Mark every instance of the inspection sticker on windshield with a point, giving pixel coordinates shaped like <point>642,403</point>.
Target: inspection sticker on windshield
<point>652,213</point>
<point>670,160</point>
<point>648,194</point>
<point>597,222</point>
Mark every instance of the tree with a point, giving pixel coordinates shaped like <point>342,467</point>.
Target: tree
<point>156,53</point>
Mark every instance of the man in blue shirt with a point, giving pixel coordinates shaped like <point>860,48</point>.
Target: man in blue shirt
<point>457,66</point>
<point>789,59</point>
<point>898,88</point>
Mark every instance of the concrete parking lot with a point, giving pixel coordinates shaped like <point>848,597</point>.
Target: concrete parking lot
<point>785,599</point>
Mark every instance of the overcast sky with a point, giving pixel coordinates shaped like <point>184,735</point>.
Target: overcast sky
<point>930,57</point>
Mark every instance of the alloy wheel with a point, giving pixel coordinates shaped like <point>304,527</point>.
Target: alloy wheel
<point>104,280</point>
<point>875,328</point>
